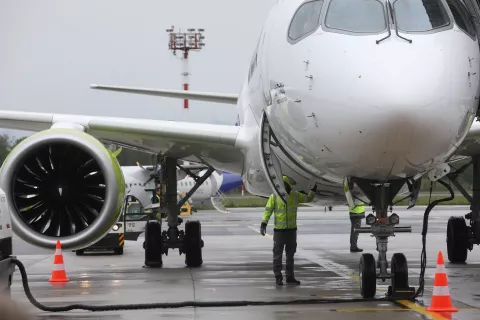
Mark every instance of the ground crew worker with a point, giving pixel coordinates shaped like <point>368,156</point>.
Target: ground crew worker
<point>357,213</point>
<point>156,197</point>
<point>285,229</point>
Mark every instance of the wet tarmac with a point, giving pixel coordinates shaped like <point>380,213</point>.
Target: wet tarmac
<point>238,266</point>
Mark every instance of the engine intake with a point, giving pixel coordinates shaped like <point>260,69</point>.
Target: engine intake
<point>62,184</point>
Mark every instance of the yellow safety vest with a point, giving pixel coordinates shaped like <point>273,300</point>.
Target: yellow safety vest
<point>358,210</point>
<point>285,217</point>
<point>158,198</point>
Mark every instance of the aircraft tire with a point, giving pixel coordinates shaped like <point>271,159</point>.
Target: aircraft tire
<point>368,276</point>
<point>153,244</point>
<point>399,271</point>
<point>457,240</point>
<point>193,244</point>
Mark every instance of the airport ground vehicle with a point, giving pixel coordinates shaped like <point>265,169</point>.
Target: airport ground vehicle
<point>6,266</point>
<point>113,240</point>
<point>187,209</point>
<point>129,226</point>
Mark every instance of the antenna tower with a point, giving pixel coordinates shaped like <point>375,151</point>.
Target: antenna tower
<point>185,42</point>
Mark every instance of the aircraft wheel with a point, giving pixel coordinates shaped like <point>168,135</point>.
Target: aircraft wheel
<point>118,250</point>
<point>457,240</point>
<point>153,244</point>
<point>79,252</point>
<point>399,271</point>
<point>193,244</point>
<point>368,276</point>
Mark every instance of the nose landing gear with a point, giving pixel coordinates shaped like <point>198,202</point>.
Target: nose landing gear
<point>383,226</point>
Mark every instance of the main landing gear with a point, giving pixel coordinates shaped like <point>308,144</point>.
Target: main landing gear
<point>383,226</point>
<point>189,241</point>
<point>461,236</point>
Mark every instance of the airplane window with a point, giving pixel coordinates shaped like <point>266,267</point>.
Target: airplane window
<point>305,20</point>
<point>461,16</point>
<point>360,16</point>
<point>420,15</point>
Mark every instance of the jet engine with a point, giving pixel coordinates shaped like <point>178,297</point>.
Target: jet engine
<point>62,184</point>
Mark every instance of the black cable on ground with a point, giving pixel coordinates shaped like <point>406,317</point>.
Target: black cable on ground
<point>423,258</point>
<point>144,306</point>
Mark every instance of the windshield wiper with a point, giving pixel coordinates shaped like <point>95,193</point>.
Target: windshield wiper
<point>394,21</point>
<point>388,25</point>
<point>394,17</point>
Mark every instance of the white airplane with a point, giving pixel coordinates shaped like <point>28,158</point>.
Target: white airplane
<point>140,182</point>
<point>359,97</point>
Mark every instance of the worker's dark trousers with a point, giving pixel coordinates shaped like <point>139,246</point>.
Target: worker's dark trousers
<point>356,222</point>
<point>281,239</point>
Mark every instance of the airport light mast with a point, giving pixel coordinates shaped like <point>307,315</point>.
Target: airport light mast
<point>185,42</point>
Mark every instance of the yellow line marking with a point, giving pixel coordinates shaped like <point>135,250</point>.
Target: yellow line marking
<point>421,310</point>
<point>393,309</point>
<point>371,309</point>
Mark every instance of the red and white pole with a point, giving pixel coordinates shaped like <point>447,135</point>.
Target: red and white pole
<point>185,77</point>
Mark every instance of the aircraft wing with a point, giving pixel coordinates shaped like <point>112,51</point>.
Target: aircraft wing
<point>192,95</point>
<point>215,145</point>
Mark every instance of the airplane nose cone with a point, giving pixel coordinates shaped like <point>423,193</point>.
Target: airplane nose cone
<point>400,141</point>
<point>377,113</point>
<point>401,138</point>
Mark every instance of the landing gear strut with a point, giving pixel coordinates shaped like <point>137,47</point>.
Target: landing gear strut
<point>461,236</point>
<point>189,241</point>
<point>383,226</point>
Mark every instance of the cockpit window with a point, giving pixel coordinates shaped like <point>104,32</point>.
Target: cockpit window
<point>420,15</point>
<point>462,16</point>
<point>305,20</point>
<point>359,16</point>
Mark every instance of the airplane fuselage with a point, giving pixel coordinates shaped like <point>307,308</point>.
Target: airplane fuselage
<point>137,180</point>
<point>343,105</point>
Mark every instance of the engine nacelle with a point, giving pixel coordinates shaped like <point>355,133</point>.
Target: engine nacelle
<point>62,184</point>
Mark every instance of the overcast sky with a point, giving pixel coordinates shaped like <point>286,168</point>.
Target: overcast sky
<point>52,50</point>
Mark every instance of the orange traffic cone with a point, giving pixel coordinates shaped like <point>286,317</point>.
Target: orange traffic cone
<point>441,301</point>
<point>58,273</point>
